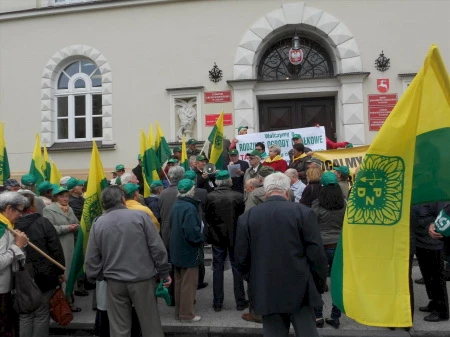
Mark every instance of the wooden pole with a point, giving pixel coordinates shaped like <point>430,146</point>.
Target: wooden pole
<point>40,251</point>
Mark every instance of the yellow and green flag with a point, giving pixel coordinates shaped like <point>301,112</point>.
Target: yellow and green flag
<point>4,163</point>
<point>143,148</point>
<point>216,140</point>
<point>46,165</point>
<point>184,158</point>
<point>55,175</point>
<point>162,148</point>
<point>92,208</point>
<point>406,164</point>
<point>36,162</point>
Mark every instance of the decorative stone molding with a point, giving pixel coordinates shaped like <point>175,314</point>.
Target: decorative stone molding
<point>345,51</point>
<point>48,86</point>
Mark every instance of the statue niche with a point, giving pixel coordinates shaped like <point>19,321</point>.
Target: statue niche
<point>186,109</point>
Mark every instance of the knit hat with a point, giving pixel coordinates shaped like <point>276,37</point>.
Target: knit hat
<point>233,152</point>
<point>72,182</point>
<point>189,174</point>
<point>329,178</point>
<point>342,170</point>
<point>44,186</point>
<point>185,185</point>
<point>222,175</point>
<point>265,171</point>
<point>28,180</point>
<point>130,188</point>
<point>58,189</point>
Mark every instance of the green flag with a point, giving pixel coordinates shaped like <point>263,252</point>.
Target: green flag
<point>216,140</point>
<point>46,165</point>
<point>36,162</point>
<point>162,148</point>
<point>184,158</point>
<point>4,164</point>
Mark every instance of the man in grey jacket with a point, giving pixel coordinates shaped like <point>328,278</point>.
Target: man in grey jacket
<point>125,249</point>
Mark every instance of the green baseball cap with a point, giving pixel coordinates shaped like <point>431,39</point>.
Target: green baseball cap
<point>201,158</point>
<point>58,189</point>
<point>120,167</point>
<point>254,153</point>
<point>242,128</point>
<point>233,152</point>
<point>342,170</point>
<point>185,185</point>
<point>82,181</point>
<point>176,149</point>
<point>28,180</point>
<point>172,161</point>
<point>296,136</point>
<point>189,174</point>
<point>72,182</point>
<point>265,171</point>
<point>156,183</point>
<point>44,186</point>
<point>130,188</point>
<point>191,141</point>
<point>222,175</point>
<point>329,178</point>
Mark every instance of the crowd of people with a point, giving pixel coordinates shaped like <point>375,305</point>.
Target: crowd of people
<point>277,222</point>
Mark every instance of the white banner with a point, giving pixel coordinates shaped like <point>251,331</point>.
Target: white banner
<point>313,137</point>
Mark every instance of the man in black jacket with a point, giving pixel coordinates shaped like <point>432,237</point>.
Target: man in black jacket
<point>238,180</point>
<point>280,251</point>
<point>223,207</point>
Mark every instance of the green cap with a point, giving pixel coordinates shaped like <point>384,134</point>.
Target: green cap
<point>58,189</point>
<point>242,128</point>
<point>44,186</point>
<point>185,185</point>
<point>191,141</point>
<point>28,180</point>
<point>130,188</point>
<point>156,183</point>
<point>189,174</point>
<point>329,178</point>
<point>296,136</point>
<point>139,157</point>
<point>82,182</point>
<point>120,167</point>
<point>72,182</point>
<point>176,149</point>
<point>222,175</point>
<point>201,158</point>
<point>265,171</point>
<point>172,161</point>
<point>233,152</point>
<point>254,153</point>
<point>342,170</point>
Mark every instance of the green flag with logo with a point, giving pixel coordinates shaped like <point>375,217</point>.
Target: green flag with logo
<point>4,163</point>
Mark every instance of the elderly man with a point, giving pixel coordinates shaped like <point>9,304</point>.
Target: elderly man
<point>177,153</point>
<point>297,186</point>
<point>132,197</point>
<point>282,233</point>
<point>254,158</point>
<point>204,180</point>
<point>12,185</point>
<point>120,170</point>
<point>313,162</point>
<point>152,201</point>
<point>298,161</point>
<point>76,200</point>
<point>192,148</point>
<point>275,160</point>
<point>238,180</point>
<point>223,208</point>
<point>258,195</point>
<point>125,249</point>
<point>28,183</point>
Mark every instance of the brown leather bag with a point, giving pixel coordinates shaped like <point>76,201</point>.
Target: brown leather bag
<point>59,308</point>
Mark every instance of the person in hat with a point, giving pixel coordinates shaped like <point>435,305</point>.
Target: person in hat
<point>120,170</point>
<point>63,181</point>
<point>66,224</point>
<point>297,187</point>
<point>186,243</point>
<point>152,201</point>
<point>298,161</point>
<point>312,189</point>
<point>261,148</point>
<point>45,190</point>
<point>28,183</point>
<point>176,153</point>
<point>329,208</point>
<point>204,179</point>
<point>223,207</point>
<point>297,139</point>
<point>254,159</point>
<point>138,173</point>
<point>286,293</point>
<point>313,162</point>
<point>76,200</point>
<point>257,196</point>
<point>12,185</point>
<point>343,175</point>
<point>275,160</point>
<point>238,179</point>
<point>242,130</point>
<point>163,176</point>
<point>132,196</point>
<point>192,148</point>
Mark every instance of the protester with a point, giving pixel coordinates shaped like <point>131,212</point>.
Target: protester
<point>242,130</point>
<point>45,190</point>
<point>297,187</point>
<point>120,263</point>
<point>63,181</point>
<point>297,139</point>
<point>298,161</point>
<point>76,200</point>
<point>152,201</point>
<point>47,275</point>
<point>258,195</point>
<point>192,148</point>
<point>251,185</point>
<point>132,196</point>
<point>262,149</point>
<point>280,251</point>
<point>329,208</point>
<point>12,185</point>
<point>176,153</point>
<point>186,242</point>
<point>66,224</point>
<point>137,171</point>
<point>254,159</point>
<point>119,171</point>
<point>238,180</point>
<point>204,180</point>
<point>313,162</point>
<point>223,208</point>
<point>311,191</point>
<point>12,205</point>
<point>28,183</point>
<point>343,174</point>
<point>275,160</point>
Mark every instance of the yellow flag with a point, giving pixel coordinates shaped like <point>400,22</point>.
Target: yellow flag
<point>36,162</point>
<point>216,140</point>
<point>143,148</point>
<point>55,175</point>
<point>4,163</point>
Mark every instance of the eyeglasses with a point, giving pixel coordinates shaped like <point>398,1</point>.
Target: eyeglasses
<point>17,209</point>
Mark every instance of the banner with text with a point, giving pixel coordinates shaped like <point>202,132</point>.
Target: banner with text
<point>351,157</point>
<point>313,137</point>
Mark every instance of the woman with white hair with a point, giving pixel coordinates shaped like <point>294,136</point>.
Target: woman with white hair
<point>275,160</point>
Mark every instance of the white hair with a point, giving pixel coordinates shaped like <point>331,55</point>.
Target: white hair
<point>192,160</point>
<point>276,182</point>
<point>225,182</point>
<point>176,173</point>
<point>291,173</point>
<point>275,148</point>
<point>127,177</point>
<point>188,194</point>
<point>13,199</point>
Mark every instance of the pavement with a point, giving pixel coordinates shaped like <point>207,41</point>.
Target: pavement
<point>228,322</point>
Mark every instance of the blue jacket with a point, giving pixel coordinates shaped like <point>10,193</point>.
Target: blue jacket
<point>186,238</point>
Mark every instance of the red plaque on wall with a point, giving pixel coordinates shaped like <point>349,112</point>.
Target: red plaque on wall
<point>218,96</point>
<point>380,106</point>
<point>210,120</point>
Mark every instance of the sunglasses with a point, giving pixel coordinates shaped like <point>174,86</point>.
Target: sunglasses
<point>17,209</point>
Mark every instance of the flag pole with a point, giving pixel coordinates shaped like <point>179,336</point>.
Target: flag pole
<point>203,149</point>
<point>40,251</point>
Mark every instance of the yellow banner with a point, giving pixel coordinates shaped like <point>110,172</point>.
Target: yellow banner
<point>351,157</point>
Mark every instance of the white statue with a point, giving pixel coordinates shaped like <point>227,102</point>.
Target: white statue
<point>187,113</point>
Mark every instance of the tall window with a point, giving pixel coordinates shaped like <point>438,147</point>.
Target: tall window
<point>275,64</point>
<point>79,102</point>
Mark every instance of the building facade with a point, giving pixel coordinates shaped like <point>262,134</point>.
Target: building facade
<point>76,71</point>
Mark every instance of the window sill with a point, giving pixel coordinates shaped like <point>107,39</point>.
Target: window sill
<point>79,146</point>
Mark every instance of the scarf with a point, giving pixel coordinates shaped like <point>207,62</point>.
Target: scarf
<point>276,158</point>
<point>65,209</point>
<point>4,222</point>
<point>303,155</point>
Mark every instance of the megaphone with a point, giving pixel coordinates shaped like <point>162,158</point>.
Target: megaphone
<point>209,168</point>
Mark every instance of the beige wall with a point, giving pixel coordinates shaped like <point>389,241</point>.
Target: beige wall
<point>154,47</point>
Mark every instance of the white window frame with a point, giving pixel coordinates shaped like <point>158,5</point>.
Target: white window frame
<point>71,92</point>
<point>68,2</point>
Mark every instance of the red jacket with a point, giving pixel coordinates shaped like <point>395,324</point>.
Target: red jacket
<point>279,165</point>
